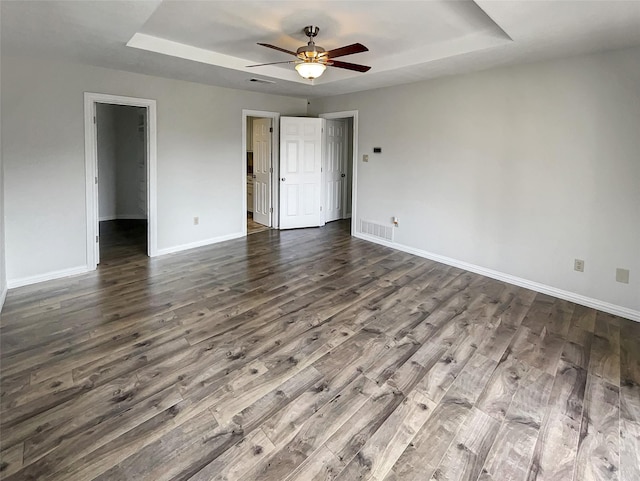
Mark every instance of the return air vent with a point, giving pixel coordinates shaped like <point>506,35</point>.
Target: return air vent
<point>376,230</point>
<point>261,81</point>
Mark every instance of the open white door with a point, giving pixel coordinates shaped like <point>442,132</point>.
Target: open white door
<point>262,171</point>
<point>300,172</point>
<point>335,169</point>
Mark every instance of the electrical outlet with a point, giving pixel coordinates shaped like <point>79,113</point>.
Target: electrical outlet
<point>578,265</point>
<point>622,275</point>
<point>196,220</point>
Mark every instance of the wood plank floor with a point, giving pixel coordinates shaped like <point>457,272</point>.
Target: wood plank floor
<point>311,355</point>
<point>253,226</point>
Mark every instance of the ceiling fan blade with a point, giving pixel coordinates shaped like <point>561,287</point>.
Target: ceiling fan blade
<point>348,66</point>
<point>270,63</point>
<point>348,50</point>
<point>278,48</point>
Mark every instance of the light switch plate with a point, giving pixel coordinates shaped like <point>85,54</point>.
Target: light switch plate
<point>622,275</point>
<point>365,158</point>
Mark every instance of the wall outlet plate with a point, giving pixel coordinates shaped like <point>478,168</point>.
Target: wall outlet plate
<point>578,265</point>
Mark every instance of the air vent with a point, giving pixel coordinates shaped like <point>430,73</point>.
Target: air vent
<point>376,230</point>
<point>261,80</point>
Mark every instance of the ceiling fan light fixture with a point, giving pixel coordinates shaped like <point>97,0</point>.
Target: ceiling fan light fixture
<point>310,70</point>
<point>312,60</point>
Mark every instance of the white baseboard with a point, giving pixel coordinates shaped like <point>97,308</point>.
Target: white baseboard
<point>25,281</point>
<point>518,281</point>
<point>202,243</point>
<point>3,296</point>
<point>126,216</point>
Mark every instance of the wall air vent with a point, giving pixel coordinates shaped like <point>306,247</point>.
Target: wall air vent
<point>261,80</point>
<point>376,230</point>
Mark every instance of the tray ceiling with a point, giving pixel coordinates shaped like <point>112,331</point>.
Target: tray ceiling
<point>212,42</point>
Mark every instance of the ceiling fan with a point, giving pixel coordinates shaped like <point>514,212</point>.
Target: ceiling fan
<point>313,60</point>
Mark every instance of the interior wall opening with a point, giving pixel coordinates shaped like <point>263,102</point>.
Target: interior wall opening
<point>338,169</point>
<point>259,155</point>
<point>122,180</point>
<point>308,167</point>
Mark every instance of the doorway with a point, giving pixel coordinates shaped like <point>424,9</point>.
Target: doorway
<point>120,166</point>
<point>338,168</point>
<point>341,174</point>
<point>343,191</point>
<point>260,147</point>
<point>317,171</point>
<point>122,180</point>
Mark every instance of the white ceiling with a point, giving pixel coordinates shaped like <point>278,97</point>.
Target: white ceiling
<point>212,42</point>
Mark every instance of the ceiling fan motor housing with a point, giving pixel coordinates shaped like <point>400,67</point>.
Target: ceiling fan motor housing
<point>311,51</point>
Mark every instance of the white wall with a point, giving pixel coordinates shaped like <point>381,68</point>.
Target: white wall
<point>518,169</point>
<point>200,159</point>
<point>3,273</point>
<point>121,162</point>
<point>131,167</point>
<point>107,174</point>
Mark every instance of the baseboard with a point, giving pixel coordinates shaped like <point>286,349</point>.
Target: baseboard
<point>3,296</point>
<point>124,217</point>
<point>25,281</point>
<point>518,281</point>
<point>202,243</point>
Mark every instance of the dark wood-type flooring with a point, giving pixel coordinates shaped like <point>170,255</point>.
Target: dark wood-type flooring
<point>253,226</point>
<point>311,355</point>
<point>122,238</point>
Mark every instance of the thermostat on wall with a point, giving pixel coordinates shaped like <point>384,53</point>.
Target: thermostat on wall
<point>377,150</point>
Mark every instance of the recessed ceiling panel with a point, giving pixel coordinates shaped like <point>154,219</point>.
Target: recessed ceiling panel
<point>432,30</point>
<point>212,42</point>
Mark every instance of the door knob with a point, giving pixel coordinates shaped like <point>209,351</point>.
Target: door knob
<point>283,179</point>
<point>343,175</point>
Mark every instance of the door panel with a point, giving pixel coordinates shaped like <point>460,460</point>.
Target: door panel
<point>262,171</point>
<point>292,200</point>
<point>300,172</point>
<point>292,156</point>
<point>335,168</point>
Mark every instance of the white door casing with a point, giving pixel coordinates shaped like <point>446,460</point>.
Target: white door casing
<point>91,171</point>
<point>335,169</point>
<point>262,171</point>
<point>300,172</point>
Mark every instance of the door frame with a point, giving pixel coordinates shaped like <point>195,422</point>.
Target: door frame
<point>353,114</point>
<point>275,154</point>
<point>91,170</point>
